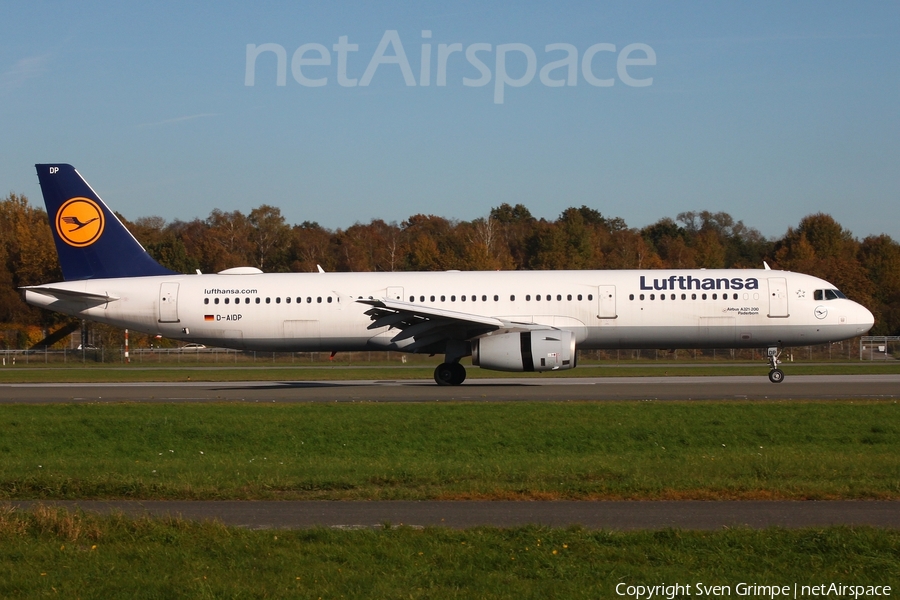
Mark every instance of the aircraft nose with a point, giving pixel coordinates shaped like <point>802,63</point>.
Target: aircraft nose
<point>865,319</point>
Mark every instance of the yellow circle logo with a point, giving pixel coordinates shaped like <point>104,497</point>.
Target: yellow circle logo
<point>79,222</point>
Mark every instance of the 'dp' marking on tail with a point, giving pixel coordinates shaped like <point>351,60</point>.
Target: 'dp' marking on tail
<point>79,222</point>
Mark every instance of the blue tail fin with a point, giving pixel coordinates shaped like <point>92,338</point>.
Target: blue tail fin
<point>90,241</point>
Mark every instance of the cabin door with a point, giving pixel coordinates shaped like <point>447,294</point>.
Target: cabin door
<point>778,297</point>
<point>168,303</point>
<point>606,297</point>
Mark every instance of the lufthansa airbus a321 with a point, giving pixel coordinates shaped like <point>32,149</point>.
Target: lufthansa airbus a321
<point>506,321</point>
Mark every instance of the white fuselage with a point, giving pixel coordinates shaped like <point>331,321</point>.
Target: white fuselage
<point>603,309</point>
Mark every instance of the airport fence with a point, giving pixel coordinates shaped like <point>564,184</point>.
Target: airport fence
<point>879,347</point>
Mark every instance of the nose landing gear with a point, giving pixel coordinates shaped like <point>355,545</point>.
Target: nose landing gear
<point>776,375</point>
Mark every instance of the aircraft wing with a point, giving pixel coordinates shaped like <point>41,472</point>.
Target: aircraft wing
<point>427,325</point>
<point>70,295</point>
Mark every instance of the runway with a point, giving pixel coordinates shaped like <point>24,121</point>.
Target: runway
<point>591,389</point>
<point>617,515</point>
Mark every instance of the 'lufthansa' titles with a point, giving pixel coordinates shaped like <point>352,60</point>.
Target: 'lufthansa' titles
<point>686,282</point>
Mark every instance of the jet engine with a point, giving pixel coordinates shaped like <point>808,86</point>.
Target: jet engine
<point>537,350</point>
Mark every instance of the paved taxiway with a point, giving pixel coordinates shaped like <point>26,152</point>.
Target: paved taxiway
<point>617,515</point>
<point>476,390</point>
<point>607,515</point>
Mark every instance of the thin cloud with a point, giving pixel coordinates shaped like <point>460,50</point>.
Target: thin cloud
<point>27,68</point>
<point>179,119</point>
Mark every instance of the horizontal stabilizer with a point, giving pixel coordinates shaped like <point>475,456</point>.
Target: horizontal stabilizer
<point>70,295</point>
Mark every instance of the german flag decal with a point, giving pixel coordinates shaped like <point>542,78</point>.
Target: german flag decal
<point>208,318</point>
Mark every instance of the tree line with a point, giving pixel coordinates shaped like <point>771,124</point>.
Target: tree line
<point>510,238</point>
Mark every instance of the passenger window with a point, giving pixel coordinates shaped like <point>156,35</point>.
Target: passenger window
<point>329,299</point>
<point>537,298</point>
<point>569,297</point>
<point>684,296</point>
<point>278,300</point>
<point>246,300</point>
<point>299,300</point>
<point>309,300</point>
<point>462,298</point>
<point>642,296</point>
<point>693,296</point>
<point>715,297</point>
<point>673,296</point>
<point>484,298</point>
<point>512,298</point>
<point>268,300</point>
<point>206,301</point>
<point>590,296</point>
<point>735,296</point>
<point>412,298</point>
<point>443,298</point>
<point>662,296</point>
<point>319,299</point>
<point>227,300</point>
<point>432,298</point>
<point>216,301</point>
<point>452,298</point>
<point>631,296</point>
<point>579,297</point>
<point>257,300</point>
<point>704,296</point>
<point>528,297</point>
<point>653,296</point>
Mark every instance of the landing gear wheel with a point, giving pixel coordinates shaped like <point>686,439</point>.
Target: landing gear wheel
<point>776,375</point>
<point>449,374</point>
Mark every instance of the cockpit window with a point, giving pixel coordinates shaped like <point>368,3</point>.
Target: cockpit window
<point>828,295</point>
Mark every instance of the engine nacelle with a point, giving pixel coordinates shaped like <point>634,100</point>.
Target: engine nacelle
<point>540,350</point>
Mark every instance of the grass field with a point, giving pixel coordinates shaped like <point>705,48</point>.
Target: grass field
<point>615,450</point>
<point>50,552</point>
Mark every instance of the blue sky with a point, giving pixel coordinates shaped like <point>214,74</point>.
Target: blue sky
<point>767,110</point>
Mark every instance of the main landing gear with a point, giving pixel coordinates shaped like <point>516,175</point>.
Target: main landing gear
<point>776,375</point>
<point>449,373</point>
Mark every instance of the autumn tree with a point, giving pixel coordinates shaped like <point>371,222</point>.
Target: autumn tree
<point>880,257</point>
<point>228,241</point>
<point>819,246</point>
<point>514,228</point>
<point>28,256</point>
<point>310,247</point>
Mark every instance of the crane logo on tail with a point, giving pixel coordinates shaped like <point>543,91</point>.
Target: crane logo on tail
<point>80,222</point>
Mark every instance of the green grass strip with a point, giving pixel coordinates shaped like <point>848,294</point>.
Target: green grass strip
<point>49,552</point>
<point>611,450</point>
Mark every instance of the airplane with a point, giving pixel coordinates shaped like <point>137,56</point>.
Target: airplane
<point>505,320</point>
